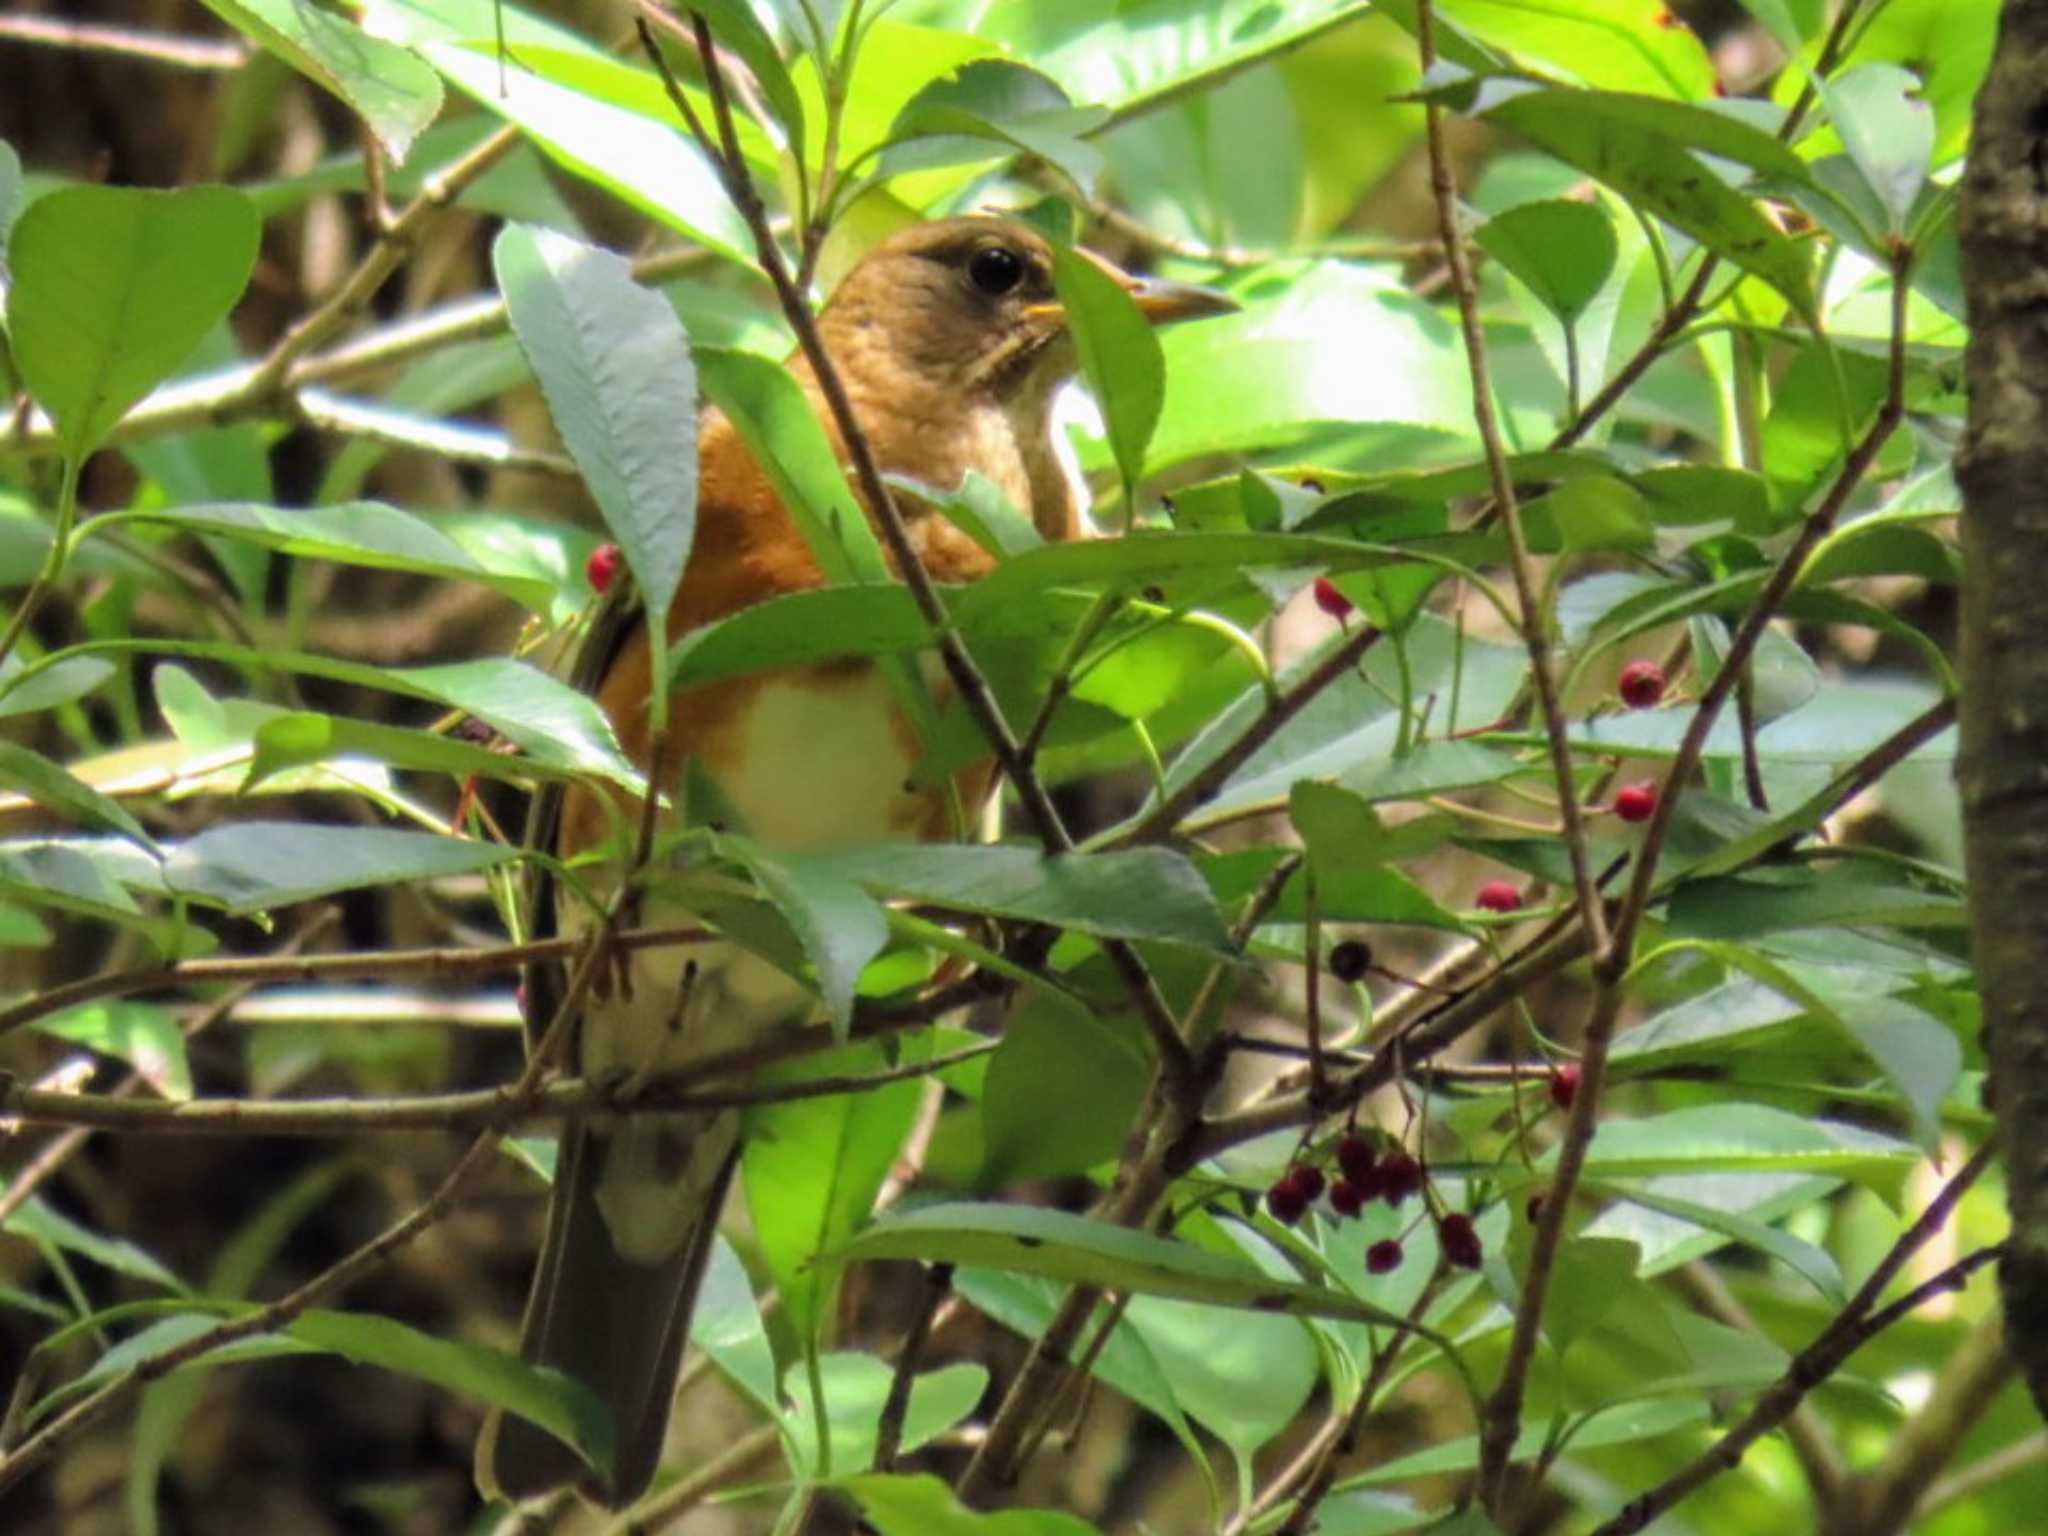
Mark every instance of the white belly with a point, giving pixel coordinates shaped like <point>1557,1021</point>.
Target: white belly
<point>824,767</point>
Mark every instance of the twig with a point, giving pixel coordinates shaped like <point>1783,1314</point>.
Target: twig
<point>1853,1327</point>
<point>1966,1386</point>
<point>1321,1475</point>
<point>1528,592</point>
<point>452,442</point>
<point>661,1093</point>
<point>938,1284</point>
<point>1740,648</point>
<point>1213,775</point>
<point>2019,1456</point>
<point>48,1159</point>
<point>395,962</point>
<point>687,1492</point>
<point>1610,965</point>
<point>158,47</point>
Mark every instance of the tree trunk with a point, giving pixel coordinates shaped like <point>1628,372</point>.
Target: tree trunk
<point>2003,766</point>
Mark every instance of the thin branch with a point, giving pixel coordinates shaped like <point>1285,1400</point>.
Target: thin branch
<point>481,1108</point>
<point>1857,1323</point>
<point>1214,774</point>
<point>452,442</point>
<point>1528,590</point>
<point>938,1285</point>
<point>2020,1456</point>
<point>692,1489</point>
<point>1776,588</point>
<point>48,1159</point>
<point>1966,1386</point>
<point>203,53</point>
<point>394,962</point>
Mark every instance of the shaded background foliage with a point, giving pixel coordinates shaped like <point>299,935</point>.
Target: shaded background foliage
<point>1299,182</point>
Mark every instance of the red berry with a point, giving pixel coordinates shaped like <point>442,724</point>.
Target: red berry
<point>1564,1085</point>
<point>1636,802</point>
<point>1641,684</point>
<point>1306,1178</point>
<point>1497,896</point>
<point>1330,600</point>
<point>1356,1156</point>
<point>1399,1177</point>
<point>1346,1198</point>
<point>1460,1240</point>
<point>1286,1201</point>
<point>601,567</point>
<point>1383,1257</point>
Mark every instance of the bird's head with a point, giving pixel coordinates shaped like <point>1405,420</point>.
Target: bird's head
<point>967,305</point>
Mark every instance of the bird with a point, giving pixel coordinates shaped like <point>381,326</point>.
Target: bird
<point>951,342</point>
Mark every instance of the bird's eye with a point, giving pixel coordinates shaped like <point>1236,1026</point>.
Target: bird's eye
<point>995,270</point>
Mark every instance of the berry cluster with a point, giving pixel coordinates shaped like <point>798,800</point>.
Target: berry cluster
<point>1364,1175</point>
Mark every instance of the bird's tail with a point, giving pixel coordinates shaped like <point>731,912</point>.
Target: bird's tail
<point>616,1320</point>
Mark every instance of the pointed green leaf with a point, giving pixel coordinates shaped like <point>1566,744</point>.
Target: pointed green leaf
<point>113,287</point>
<point>615,367</point>
<point>389,87</point>
<point>1562,250</point>
<point>252,866</point>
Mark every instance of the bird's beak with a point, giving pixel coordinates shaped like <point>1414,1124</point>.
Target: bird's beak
<point>1158,300</point>
<point>1164,303</point>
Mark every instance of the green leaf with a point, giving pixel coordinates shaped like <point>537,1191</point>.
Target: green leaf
<point>1146,893</point>
<point>1626,150</point>
<point>1340,830</point>
<point>1596,512</point>
<point>1792,23</point>
<point>813,1167</point>
<point>389,87</point>
<point>10,197</point>
<point>648,163</point>
<point>364,533</point>
<point>1590,1273</point>
<point>1888,131</point>
<point>1751,1138</point>
<point>774,418</point>
<point>1288,365</point>
<point>856,1387</point>
<point>1061,1246</point>
<point>1120,356</point>
<point>144,1035</point>
<point>734,23</point>
<point>1562,250</point>
<point>39,1223</point>
<point>840,926</point>
<point>1808,1260</point>
<point>800,629</point>
<point>1060,1091</point>
<point>990,107</point>
<point>615,367</point>
<point>55,788</point>
<point>558,1404</point>
<point>253,866</point>
<point>921,1505</point>
<point>286,739</point>
<point>113,287</point>
<point>62,682</point>
<point>1732,907</point>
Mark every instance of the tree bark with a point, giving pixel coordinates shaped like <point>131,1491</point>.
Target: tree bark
<point>2003,765</point>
